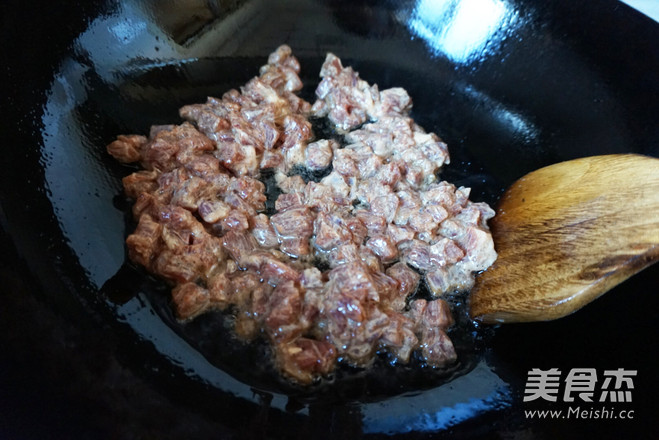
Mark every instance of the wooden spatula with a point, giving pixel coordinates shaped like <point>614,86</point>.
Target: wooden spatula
<point>566,234</point>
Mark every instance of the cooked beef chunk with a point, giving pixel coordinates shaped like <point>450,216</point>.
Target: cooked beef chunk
<point>190,300</point>
<point>407,279</point>
<point>140,182</point>
<point>127,149</point>
<point>436,347</point>
<point>318,155</point>
<point>305,359</point>
<point>263,231</point>
<point>377,215</point>
<point>349,101</point>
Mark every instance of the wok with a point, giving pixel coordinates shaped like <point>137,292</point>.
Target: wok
<point>89,346</point>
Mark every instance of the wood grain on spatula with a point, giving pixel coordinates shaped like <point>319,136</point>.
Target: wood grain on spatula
<point>566,234</point>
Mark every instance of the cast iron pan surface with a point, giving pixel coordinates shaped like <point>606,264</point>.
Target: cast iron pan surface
<point>89,347</point>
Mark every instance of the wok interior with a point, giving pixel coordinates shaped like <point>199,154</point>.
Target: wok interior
<point>503,112</point>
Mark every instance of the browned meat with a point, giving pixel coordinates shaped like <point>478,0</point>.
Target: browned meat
<point>399,234</point>
<point>431,319</point>
<point>281,71</point>
<point>318,155</point>
<point>239,245</point>
<point>294,222</point>
<point>407,279</point>
<point>331,231</point>
<point>431,314</point>
<point>169,149</point>
<point>349,101</point>
<point>394,100</point>
<point>375,224</point>
<point>437,348</point>
<point>144,244</point>
<point>305,359</point>
<point>379,219</point>
<point>444,252</point>
<point>126,149</point>
<point>398,336</point>
<point>343,254</point>
<point>212,211</point>
<point>251,126</point>
<point>263,232</point>
<point>327,194</point>
<point>290,184</point>
<point>271,268</point>
<point>140,182</point>
<point>416,253</point>
<point>271,159</point>
<point>294,228</point>
<point>191,192</point>
<point>417,154</point>
<point>247,291</point>
<point>190,300</point>
<point>297,129</point>
<point>283,313</point>
<point>219,288</point>
<point>239,159</point>
<point>348,301</point>
<point>250,190</point>
<point>205,166</point>
<point>383,247</point>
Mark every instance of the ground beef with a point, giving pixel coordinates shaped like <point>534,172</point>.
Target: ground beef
<point>379,220</point>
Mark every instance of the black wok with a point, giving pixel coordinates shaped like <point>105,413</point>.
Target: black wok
<point>89,348</point>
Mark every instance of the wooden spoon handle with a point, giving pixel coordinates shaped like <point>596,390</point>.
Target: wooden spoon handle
<point>566,234</point>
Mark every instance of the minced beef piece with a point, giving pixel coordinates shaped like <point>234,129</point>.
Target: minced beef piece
<point>379,220</point>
